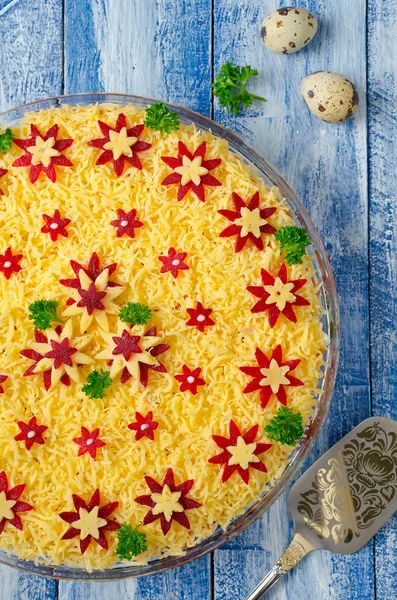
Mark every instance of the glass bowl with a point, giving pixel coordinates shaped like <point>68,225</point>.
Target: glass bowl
<point>328,299</point>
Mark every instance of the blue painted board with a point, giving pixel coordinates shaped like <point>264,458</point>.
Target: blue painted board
<point>382,153</point>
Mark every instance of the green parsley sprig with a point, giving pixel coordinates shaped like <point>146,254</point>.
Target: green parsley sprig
<point>6,139</point>
<point>131,542</point>
<point>293,241</point>
<point>230,86</point>
<point>160,118</point>
<point>43,313</point>
<point>97,383</point>
<point>135,313</point>
<point>286,427</point>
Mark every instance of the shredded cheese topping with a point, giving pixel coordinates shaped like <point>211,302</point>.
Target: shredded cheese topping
<point>90,195</point>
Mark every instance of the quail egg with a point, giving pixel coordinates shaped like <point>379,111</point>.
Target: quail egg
<point>287,30</point>
<point>330,96</point>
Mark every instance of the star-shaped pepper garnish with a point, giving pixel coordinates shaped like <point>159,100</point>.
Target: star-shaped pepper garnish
<point>10,504</point>
<point>57,354</point>
<point>199,317</point>
<point>271,376</point>
<point>89,442</point>
<point>144,426</point>
<point>2,173</point>
<point>190,379</point>
<point>173,262</point>
<point>120,144</point>
<point>3,378</point>
<point>43,153</point>
<point>126,223</point>
<point>249,222</point>
<point>31,433</point>
<point>191,171</point>
<point>168,502</point>
<point>278,295</point>
<point>9,263</point>
<point>92,294</point>
<point>90,521</point>
<point>133,352</point>
<point>240,452</point>
<point>55,225</point>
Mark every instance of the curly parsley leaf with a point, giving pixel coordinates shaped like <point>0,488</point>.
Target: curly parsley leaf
<point>293,241</point>
<point>6,139</point>
<point>97,383</point>
<point>160,118</point>
<point>286,427</point>
<point>135,313</point>
<point>43,313</point>
<point>230,87</point>
<point>131,542</point>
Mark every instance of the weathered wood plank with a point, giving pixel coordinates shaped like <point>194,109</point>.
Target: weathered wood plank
<point>327,167</point>
<point>30,68</point>
<point>382,133</point>
<point>159,49</point>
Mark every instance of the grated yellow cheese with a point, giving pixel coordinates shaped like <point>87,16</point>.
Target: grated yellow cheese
<point>90,195</point>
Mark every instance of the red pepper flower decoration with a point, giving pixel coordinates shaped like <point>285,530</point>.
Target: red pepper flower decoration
<point>43,153</point>
<point>120,144</point>
<point>191,171</point>
<point>90,521</point>
<point>200,317</point>
<point>93,293</point>
<point>271,376</point>
<point>173,262</point>
<point>9,263</point>
<point>89,442</point>
<point>144,426</point>
<point>10,504</point>
<point>2,173</point>
<point>133,353</point>
<point>278,295</point>
<point>190,379</point>
<point>249,222</point>
<point>55,225</point>
<point>240,452</point>
<point>126,223</point>
<point>57,354</point>
<point>168,502</point>
<point>31,433</point>
<point>3,378</point>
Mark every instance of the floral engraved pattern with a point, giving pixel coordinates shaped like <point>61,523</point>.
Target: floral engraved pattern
<point>355,488</point>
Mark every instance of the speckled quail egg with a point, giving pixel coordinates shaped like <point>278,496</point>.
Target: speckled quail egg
<point>287,30</point>
<point>330,96</point>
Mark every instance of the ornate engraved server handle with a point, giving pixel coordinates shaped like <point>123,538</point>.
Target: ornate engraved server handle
<point>298,548</point>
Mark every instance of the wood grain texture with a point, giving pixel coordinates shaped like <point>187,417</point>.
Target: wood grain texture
<point>327,167</point>
<point>382,133</point>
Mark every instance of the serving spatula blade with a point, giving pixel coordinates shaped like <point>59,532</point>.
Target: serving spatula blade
<point>343,500</point>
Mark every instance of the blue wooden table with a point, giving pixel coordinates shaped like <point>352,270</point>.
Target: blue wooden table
<point>344,174</point>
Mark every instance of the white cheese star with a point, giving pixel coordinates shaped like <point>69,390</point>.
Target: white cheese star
<point>43,151</point>
<point>89,523</point>
<point>191,170</point>
<point>280,293</point>
<point>120,143</point>
<point>250,222</point>
<point>5,507</point>
<point>167,503</point>
<point>274,376</point>
<point>242,453</point>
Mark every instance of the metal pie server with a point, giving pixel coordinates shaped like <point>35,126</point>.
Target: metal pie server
<point>343,500</point>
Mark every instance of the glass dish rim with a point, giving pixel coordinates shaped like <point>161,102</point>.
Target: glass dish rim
<point>323,268</point>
